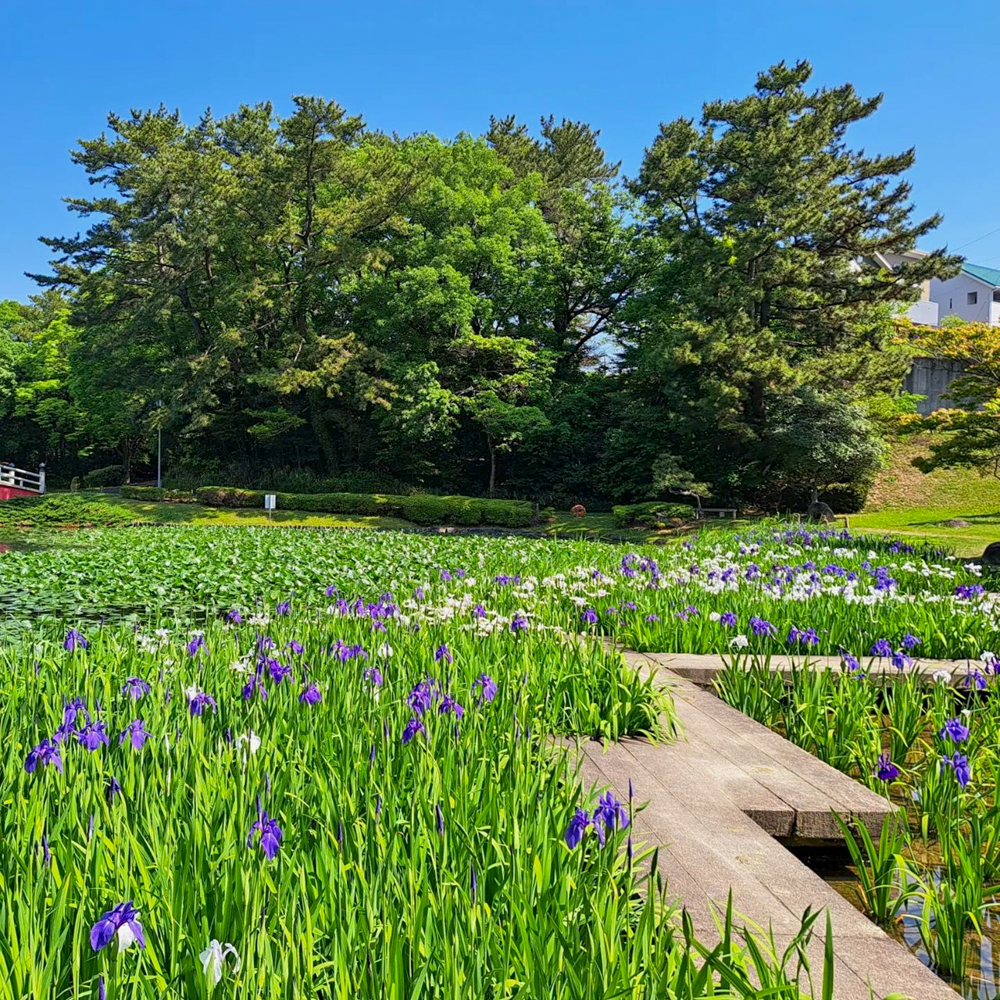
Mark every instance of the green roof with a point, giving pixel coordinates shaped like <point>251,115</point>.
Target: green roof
<point>990,275</point>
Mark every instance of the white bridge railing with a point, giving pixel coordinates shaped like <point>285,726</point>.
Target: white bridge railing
<point>22,479</point>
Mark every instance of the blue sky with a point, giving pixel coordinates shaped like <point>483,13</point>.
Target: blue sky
<point>445,66</point>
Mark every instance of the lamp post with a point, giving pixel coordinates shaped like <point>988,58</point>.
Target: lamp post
<point>159,444</point>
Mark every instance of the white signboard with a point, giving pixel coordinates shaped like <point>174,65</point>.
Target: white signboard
<point>270,501</point>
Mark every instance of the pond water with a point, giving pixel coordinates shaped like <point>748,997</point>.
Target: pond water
<point>982,982</point>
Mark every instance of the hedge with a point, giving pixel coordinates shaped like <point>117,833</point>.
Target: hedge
<point>109,475</point>
<point>649,515</point>
<point>152,494</point>
<point>421,508</point>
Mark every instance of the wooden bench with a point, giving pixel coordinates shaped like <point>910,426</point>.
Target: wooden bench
<point>704,512</point>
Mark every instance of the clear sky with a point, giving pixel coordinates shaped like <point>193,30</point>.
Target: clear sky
<point>444,66</point>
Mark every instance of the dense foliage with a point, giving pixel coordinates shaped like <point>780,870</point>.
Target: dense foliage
<point>968,434</point>
<point>494,314</point>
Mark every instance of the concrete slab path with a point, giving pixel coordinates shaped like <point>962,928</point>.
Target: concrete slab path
<point>717,798</point>
<point>702,668</point>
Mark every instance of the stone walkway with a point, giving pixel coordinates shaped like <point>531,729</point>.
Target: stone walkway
<point>702,668</point>
<point>717,798</point>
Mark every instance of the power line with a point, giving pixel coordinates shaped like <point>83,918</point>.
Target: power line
<point>977,239</point>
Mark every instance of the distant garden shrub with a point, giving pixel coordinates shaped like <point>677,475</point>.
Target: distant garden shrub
<point>420,508</point>
<point>152,494</point>
<point>649,515</point>
<point>109,475</point>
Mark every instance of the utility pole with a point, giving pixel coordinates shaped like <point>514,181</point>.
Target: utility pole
<point>159,447</point>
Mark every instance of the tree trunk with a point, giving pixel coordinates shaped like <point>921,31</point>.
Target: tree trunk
<point>493,465</point>
<point>321,431</point>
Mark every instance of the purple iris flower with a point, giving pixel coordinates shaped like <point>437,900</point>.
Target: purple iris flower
<point>199,701</point>
<point>235,617</point>
<point>311,695</point>
<point>135,687</point>
<point>279,671</point>
<point>440,820</point>
<point>93,735</point>
<point>123,921</point>
<point>136,734</point>
<point>900,660</point>
<point>519,624</point>
<point>610,812</point>
<point>954,730</point>
<point>270,834</point>
<point>728,619</point>
<point>851,662</point>
<point>479,611</point>
<point>975,679</point>
<point>422,696</point>
<point>881,648</point>
<point>74,640</point>
<point>968,591</point>
<point>588,617</point>
<point>113,789</point>
<point>44,755</point>
<point>959,763</point>
<point>283,607</point>
<point>46,853</point>
<point>487,688</point>
<point>885,770</point>
<point>576,828</point>
<point>374,675</point>
<point>445,576</point>
<point>195,644</point>
<point>448,704</point>
<point>443,653</point>
<point>651,618</point>
<point>911,641</point>
<point>413,727</point>
<point>254,684</point>
<point>418,594</point>
<point>761,627</point>
<point>331,590</point>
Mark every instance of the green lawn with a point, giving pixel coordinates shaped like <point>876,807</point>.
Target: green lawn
<point>929,524</point>
<point>907,502</point>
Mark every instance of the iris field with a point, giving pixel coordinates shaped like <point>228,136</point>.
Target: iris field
<point>251,762</point>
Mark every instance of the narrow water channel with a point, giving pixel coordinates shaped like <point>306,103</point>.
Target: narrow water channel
<point>833,865</point>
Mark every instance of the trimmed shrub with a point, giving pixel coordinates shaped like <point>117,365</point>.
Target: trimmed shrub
<point>110,475</point>
<point>650,515</point>
<point>227,496</point>
<point>508,513</point>
<point>363,504</point>
<point>421,508</point>
<point>152,494</point>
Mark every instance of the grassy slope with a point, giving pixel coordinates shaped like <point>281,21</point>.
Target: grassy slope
<point>907,502</point>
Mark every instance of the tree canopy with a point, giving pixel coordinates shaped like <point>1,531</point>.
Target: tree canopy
<point>501,313</point>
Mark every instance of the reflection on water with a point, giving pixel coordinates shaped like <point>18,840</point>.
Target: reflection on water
<point>982,982</point>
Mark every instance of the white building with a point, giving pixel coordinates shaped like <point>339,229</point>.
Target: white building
<point>973,295</point>
<point>924,311</point>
